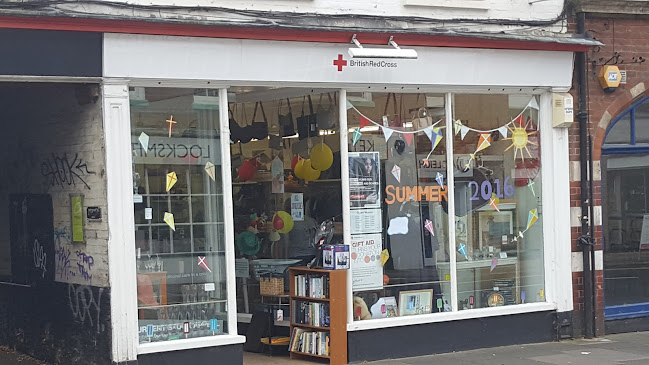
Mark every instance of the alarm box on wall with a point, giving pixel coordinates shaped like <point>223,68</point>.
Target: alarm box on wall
<point>562,110</point>
<point>335,257</point>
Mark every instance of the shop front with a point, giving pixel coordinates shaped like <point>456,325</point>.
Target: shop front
<point>442,175</point>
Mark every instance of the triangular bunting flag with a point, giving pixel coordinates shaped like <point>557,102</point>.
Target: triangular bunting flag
<point>408,138</point>
<point>349,105</point>
<point>464,130</point>
<point>458,126</point>
<point>387,133</point>
<point>484,142</point>
<point>520,120</point>
<point>364,121</point>
<point>503,131</point>
<point>533,104</point>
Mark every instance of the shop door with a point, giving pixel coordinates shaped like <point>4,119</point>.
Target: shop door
<point>625,199</point>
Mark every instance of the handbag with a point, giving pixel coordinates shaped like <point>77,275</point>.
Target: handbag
<point>421,117</point>
<point>285,121</point>
<point>259,130</point>
<point>325,116</point>
<point>235,129</point>
<point>246,132</point>
<point>395,119</point>
<point>307,125</point>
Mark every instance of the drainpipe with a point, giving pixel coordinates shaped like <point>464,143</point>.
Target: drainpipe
<point>585,240</point>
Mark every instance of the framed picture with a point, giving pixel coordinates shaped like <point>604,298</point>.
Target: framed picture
<point>493,226</point>
<point>415,302</point>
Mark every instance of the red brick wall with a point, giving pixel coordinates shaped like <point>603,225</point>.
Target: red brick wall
<point>629,38</point>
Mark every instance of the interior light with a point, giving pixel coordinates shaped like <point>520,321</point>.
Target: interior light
<point>396,52</point>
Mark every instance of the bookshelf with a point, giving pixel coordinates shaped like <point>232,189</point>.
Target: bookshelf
<point>318,314</point>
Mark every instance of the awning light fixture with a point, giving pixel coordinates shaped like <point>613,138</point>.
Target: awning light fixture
<point>395,52</point>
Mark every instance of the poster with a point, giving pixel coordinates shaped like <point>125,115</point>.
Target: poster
<point>365,221</point>
<point>644,235</point>
<point>76,203</point>
<point>297,206</point>
<point>367,271</point>
<point>364,183</point>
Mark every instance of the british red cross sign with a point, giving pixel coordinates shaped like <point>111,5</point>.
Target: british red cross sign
<point>340,62</point>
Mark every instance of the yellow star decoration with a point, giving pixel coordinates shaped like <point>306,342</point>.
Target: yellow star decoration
<point>520,139</point>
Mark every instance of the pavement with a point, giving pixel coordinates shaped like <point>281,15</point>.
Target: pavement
<point>619,349</point>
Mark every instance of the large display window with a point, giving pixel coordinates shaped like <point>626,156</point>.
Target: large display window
<point>178,202</point>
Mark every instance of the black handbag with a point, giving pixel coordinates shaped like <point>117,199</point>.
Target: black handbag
<point>259,130</point>
<point>307,125</point>
<point>286,126</point>
<point>235,129</point>
<point>326,116</point>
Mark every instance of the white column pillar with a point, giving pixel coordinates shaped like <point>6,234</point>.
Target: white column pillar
<point>121,221</point>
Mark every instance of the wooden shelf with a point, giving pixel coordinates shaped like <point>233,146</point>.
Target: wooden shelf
<point>304,325</point>
<point>337,303</point>
<point>310,299</point>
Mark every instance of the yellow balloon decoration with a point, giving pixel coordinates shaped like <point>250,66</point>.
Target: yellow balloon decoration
<point>310,174</point>
<point>321,157</point>
<point>288,221</point>
<point>299,169</point>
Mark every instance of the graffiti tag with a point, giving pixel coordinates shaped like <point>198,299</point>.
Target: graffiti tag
<point>63,171</point>
<point>85,308</point>
<point>40,257</point>
<point>84,265</point>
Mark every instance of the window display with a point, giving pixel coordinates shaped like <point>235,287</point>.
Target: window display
<point>178,202</point>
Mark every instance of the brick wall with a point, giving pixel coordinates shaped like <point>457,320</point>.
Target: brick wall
<point>628,38</point>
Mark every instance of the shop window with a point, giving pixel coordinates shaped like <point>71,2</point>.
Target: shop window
<point>286,188</point>
<point>178,200</point>
<point>620,132</point>
<point>397,177</point>
<point>498,211</point>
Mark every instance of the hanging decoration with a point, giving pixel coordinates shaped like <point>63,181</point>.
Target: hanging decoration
<point>428,224</point>
<point>530,184</point>
<point>274,236</point>
<point>169,219</point>
<point>385,255</point>
<point>171,122</point>
<point>532,217</point>
<point>321,157</point>
<point>387,133</point>
<point>396,172</point>
<point>408,137</point>
<point>309,173</point>
<point>294,161</point>
<point>171,180</point>
<point>357,135</point>
<point>210,169</point>
<point>364,121</point>
<point>247,171</point>
<point>457,125</point>
<point>398,225</point>
<point>440,179</point>
<point>494,263</point>
<point>283,222</point>
<point>144,141</point>
<point>520,138</point>
<point>493,203</point>
<point>483,142</point>
<point>462,250</point>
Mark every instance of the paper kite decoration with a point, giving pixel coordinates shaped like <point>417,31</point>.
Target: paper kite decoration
<point>429,226</point>
<point>202,262</point>
<point>435,137</point>
<point>356,136</point>
<point>171,180</point>
<point>484,142</point>
<point>462,250</point>
<point>209,168</point>
<point>531,218</point>
<point>494,263</point>
<point>171,122</point>
<point>492,202</point>
<point>530,184</point>
<point>396,171</point>
<point>440,179</point>
<point>144,141</point>
<point>520,138</point>
<point>385,255</point>
<point>169,219</point>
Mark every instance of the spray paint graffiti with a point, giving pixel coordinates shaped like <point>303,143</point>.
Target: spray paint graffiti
<point>85,308</point>
<point>84,264</point>
<point>63,171</point>
<point>62,254</point>
<point>40,257</point>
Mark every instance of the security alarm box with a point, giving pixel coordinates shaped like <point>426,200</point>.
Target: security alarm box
<point>563,114</point>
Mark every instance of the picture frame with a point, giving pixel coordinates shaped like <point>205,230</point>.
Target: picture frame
<point>492,225</point>
<point>412,302</point>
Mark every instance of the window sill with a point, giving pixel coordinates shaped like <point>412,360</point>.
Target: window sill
<point>190,343</point>
<point>449,316</point>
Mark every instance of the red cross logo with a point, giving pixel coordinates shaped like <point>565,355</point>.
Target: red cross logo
<point>340,62</point>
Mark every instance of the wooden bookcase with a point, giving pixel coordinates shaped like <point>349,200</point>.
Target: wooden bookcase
<point>336,299</point>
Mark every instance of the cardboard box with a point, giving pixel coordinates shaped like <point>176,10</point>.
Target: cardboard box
<point>335,257</point>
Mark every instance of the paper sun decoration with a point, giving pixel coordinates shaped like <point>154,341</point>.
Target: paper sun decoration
<point>169,219</point>
<point>171,180</point>
<point>520,138</point>
<point>396,172</point>
<point>209,168</point>
<point>171,122</point>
